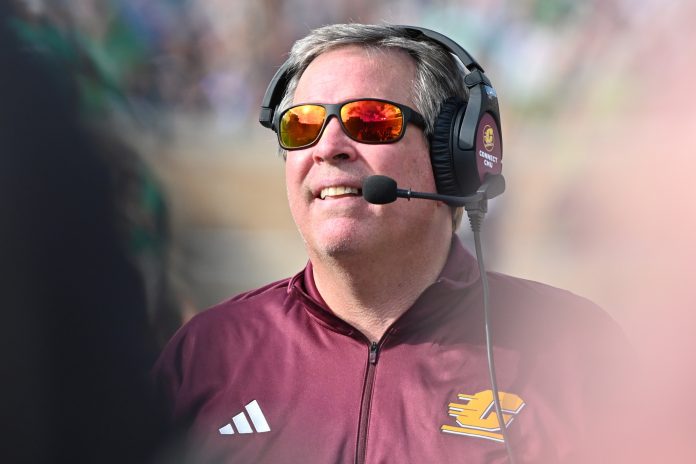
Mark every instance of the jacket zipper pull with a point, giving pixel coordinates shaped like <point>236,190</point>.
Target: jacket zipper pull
<point>373,353</point>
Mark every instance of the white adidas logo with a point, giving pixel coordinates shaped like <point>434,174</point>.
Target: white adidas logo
<point>242,424</point>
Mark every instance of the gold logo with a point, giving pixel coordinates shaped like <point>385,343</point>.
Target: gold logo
<point>488,140</point>
<point>476,416</point>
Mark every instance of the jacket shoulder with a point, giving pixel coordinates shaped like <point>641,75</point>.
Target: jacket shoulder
<point>537,311</point>
<point>532,295</point>
<point>217,339</point>
<point>244,306</point>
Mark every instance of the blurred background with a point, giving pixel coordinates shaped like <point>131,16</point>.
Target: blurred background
<point>599,132</point>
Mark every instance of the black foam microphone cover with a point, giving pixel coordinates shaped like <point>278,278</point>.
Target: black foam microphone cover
<point>379,190</point>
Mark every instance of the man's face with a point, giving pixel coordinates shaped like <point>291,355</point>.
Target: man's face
<point>345,224</point>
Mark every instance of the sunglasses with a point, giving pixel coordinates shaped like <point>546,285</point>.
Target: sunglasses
<point>363,120</point>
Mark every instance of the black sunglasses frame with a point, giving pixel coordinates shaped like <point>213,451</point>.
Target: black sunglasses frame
<point>334,109</point>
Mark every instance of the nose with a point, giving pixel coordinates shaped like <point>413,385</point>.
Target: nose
<point>334,145</point>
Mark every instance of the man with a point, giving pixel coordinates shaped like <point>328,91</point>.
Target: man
<point>375,352</point>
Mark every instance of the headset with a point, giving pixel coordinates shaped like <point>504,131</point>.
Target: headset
<point>466,144</point>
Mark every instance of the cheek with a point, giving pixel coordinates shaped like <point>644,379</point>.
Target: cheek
<point>293,183</point>
<point>411,167</point>
<point>295,170</point>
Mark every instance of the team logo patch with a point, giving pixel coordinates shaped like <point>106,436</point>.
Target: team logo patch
<point>488,139</point>
<point>475,414</point>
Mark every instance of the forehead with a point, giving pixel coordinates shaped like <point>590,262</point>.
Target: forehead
<point>353,71</point>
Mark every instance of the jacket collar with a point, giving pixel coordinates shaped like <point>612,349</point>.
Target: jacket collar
<point>459,274</point>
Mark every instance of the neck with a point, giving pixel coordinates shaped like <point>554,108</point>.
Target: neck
<point>370,291</point>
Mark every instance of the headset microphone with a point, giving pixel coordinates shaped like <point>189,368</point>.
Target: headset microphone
<point>381,190</point>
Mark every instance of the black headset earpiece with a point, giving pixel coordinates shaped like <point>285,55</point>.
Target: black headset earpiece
<point>442,141</point>
<point>466,144</point>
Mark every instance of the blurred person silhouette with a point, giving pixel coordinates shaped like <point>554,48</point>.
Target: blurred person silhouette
<point>77,344</point>
<point>377,351</point>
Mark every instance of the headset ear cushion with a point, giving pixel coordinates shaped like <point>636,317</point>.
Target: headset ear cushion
<point>441,150</point>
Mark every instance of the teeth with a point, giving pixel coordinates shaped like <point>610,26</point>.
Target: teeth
<point>338,190</point>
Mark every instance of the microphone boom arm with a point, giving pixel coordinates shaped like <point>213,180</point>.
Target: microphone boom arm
<point>492,186</point>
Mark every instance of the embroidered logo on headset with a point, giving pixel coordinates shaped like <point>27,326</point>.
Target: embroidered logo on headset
<point>488,137</point>
<point>475,414</point>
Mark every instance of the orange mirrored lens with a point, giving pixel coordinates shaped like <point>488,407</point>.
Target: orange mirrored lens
<point>301,125</point>
<point>372,121</point>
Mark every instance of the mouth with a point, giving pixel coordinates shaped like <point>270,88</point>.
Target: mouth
<point>339,191</point>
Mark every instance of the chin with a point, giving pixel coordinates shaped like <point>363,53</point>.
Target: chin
<point>336,238</point>
<point>339,245</point>
<point>340,248</point>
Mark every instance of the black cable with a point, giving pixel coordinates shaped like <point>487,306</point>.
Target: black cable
<point>476,213</point>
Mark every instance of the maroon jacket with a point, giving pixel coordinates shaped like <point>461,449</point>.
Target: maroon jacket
<point>272,376</point>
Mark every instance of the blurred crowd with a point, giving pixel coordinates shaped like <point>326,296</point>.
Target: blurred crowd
<point>208,55</point>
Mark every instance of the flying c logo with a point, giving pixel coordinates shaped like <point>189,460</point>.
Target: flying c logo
<point>475,414</point>
<point>488,139</point>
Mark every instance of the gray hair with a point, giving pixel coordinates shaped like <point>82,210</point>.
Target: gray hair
<point>438,72</point>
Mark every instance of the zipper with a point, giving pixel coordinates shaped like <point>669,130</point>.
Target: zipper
<point>361,448</point>
<point>373,353</point>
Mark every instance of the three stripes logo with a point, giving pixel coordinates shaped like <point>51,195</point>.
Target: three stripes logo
<point>241,424</point>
